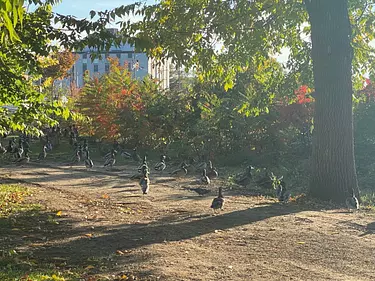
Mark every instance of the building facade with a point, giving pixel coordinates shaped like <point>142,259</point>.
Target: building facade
<point>139,64</point>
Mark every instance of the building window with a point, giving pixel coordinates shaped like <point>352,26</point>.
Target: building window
<point>96,67</point>
<point>84,67</point>
<point>118,55</point>
<point>130,55</point>
<point>107,67</point>
<point>84,56</point>
<point>129,66</point>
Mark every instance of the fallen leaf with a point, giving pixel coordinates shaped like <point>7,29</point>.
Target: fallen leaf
<point>59,213</point>
<point>120,252</point>
<point>88,235</point>
<point>124,277</point>
<point>301,242</point>
<point>89,267</point>
<point>105,196</point>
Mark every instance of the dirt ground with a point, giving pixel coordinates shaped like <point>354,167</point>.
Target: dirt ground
<point>171,234</point>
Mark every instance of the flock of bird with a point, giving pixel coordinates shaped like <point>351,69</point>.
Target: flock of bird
<point>20,153</point>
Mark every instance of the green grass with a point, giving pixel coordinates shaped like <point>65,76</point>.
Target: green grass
<point>12,200</point>
<point>368,198</point>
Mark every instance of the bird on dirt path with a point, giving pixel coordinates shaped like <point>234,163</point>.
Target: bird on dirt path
<point>43,154</point>
<point>88,162</point>
<point>352,202</point>
<point>246,177</point>
<point>145,182</point>
<point>211,171</point>
<point>180,171</point>
<point>204,179</point>
<point>23,160</point>
<point>282,194</point>
<point>218,202</point>
<point>110,161</point>
<point>161,165</point>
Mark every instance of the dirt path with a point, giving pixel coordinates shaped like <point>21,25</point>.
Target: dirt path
<point>171,233</point>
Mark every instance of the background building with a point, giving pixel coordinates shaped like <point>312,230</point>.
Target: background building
<point>139,65</point>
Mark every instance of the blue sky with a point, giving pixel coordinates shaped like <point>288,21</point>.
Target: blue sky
<point>82,8</point>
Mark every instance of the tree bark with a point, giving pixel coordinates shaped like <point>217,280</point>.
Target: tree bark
<point>333,174</point>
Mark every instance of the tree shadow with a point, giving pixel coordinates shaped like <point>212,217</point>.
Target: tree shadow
<point>370,229</point>
<point>130,237</point>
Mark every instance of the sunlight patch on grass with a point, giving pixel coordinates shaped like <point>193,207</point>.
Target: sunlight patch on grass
<point>12,200</point>
<point>368,199</point>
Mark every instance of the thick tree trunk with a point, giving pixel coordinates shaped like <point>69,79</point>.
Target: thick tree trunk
<point>333,175</point>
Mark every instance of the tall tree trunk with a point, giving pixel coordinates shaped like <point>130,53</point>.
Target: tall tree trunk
<point>333,175</point>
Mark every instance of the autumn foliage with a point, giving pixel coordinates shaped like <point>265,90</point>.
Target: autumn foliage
<point>117,104</point>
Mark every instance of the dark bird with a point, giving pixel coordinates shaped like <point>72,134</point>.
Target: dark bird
<point>218,202</point>
<point>211,171</point>
<point>3,150</point>
<point>88,162</point>
<point>23,160</point>
<point>143,165</point>
<point>204,179</point>
<point>145,182</point>
<point>352,202</point>
<point>43,154</point>
<point>282,194</point>
<point>110,161</point>
<point>161,165</point>
<point>141,171</point>
<point>76,157</point>
<point>180,171</point>
<point>109,154</point>
<point>246,177</point>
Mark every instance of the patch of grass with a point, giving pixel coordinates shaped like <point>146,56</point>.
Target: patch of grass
<point>12,198</point>
<point>368,198</point>
<point>19,217</point>
<point>15,273</point>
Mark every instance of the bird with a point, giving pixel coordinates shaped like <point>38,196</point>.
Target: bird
<point>201,166</point>
<point>204,179</point>
<point>3,150</point>
<point>140,173</point>
<point>180,171</point>
<point>282,194</point>
<point>88,162</point>
<point>43,154</point>
<point>212,172</point>
<point>218,202</point>
<point>18,151</point>
<point>161,165</point>
<point>109,154</point>
<point>126,154</point>
<point>24,159</point>
<point>246,177</point>
<point>145,182</point>
<point>144,164</point>
<point>109,162</point>
<point>76,157</point>
<point>352,202</point>
<point>200,191</point>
